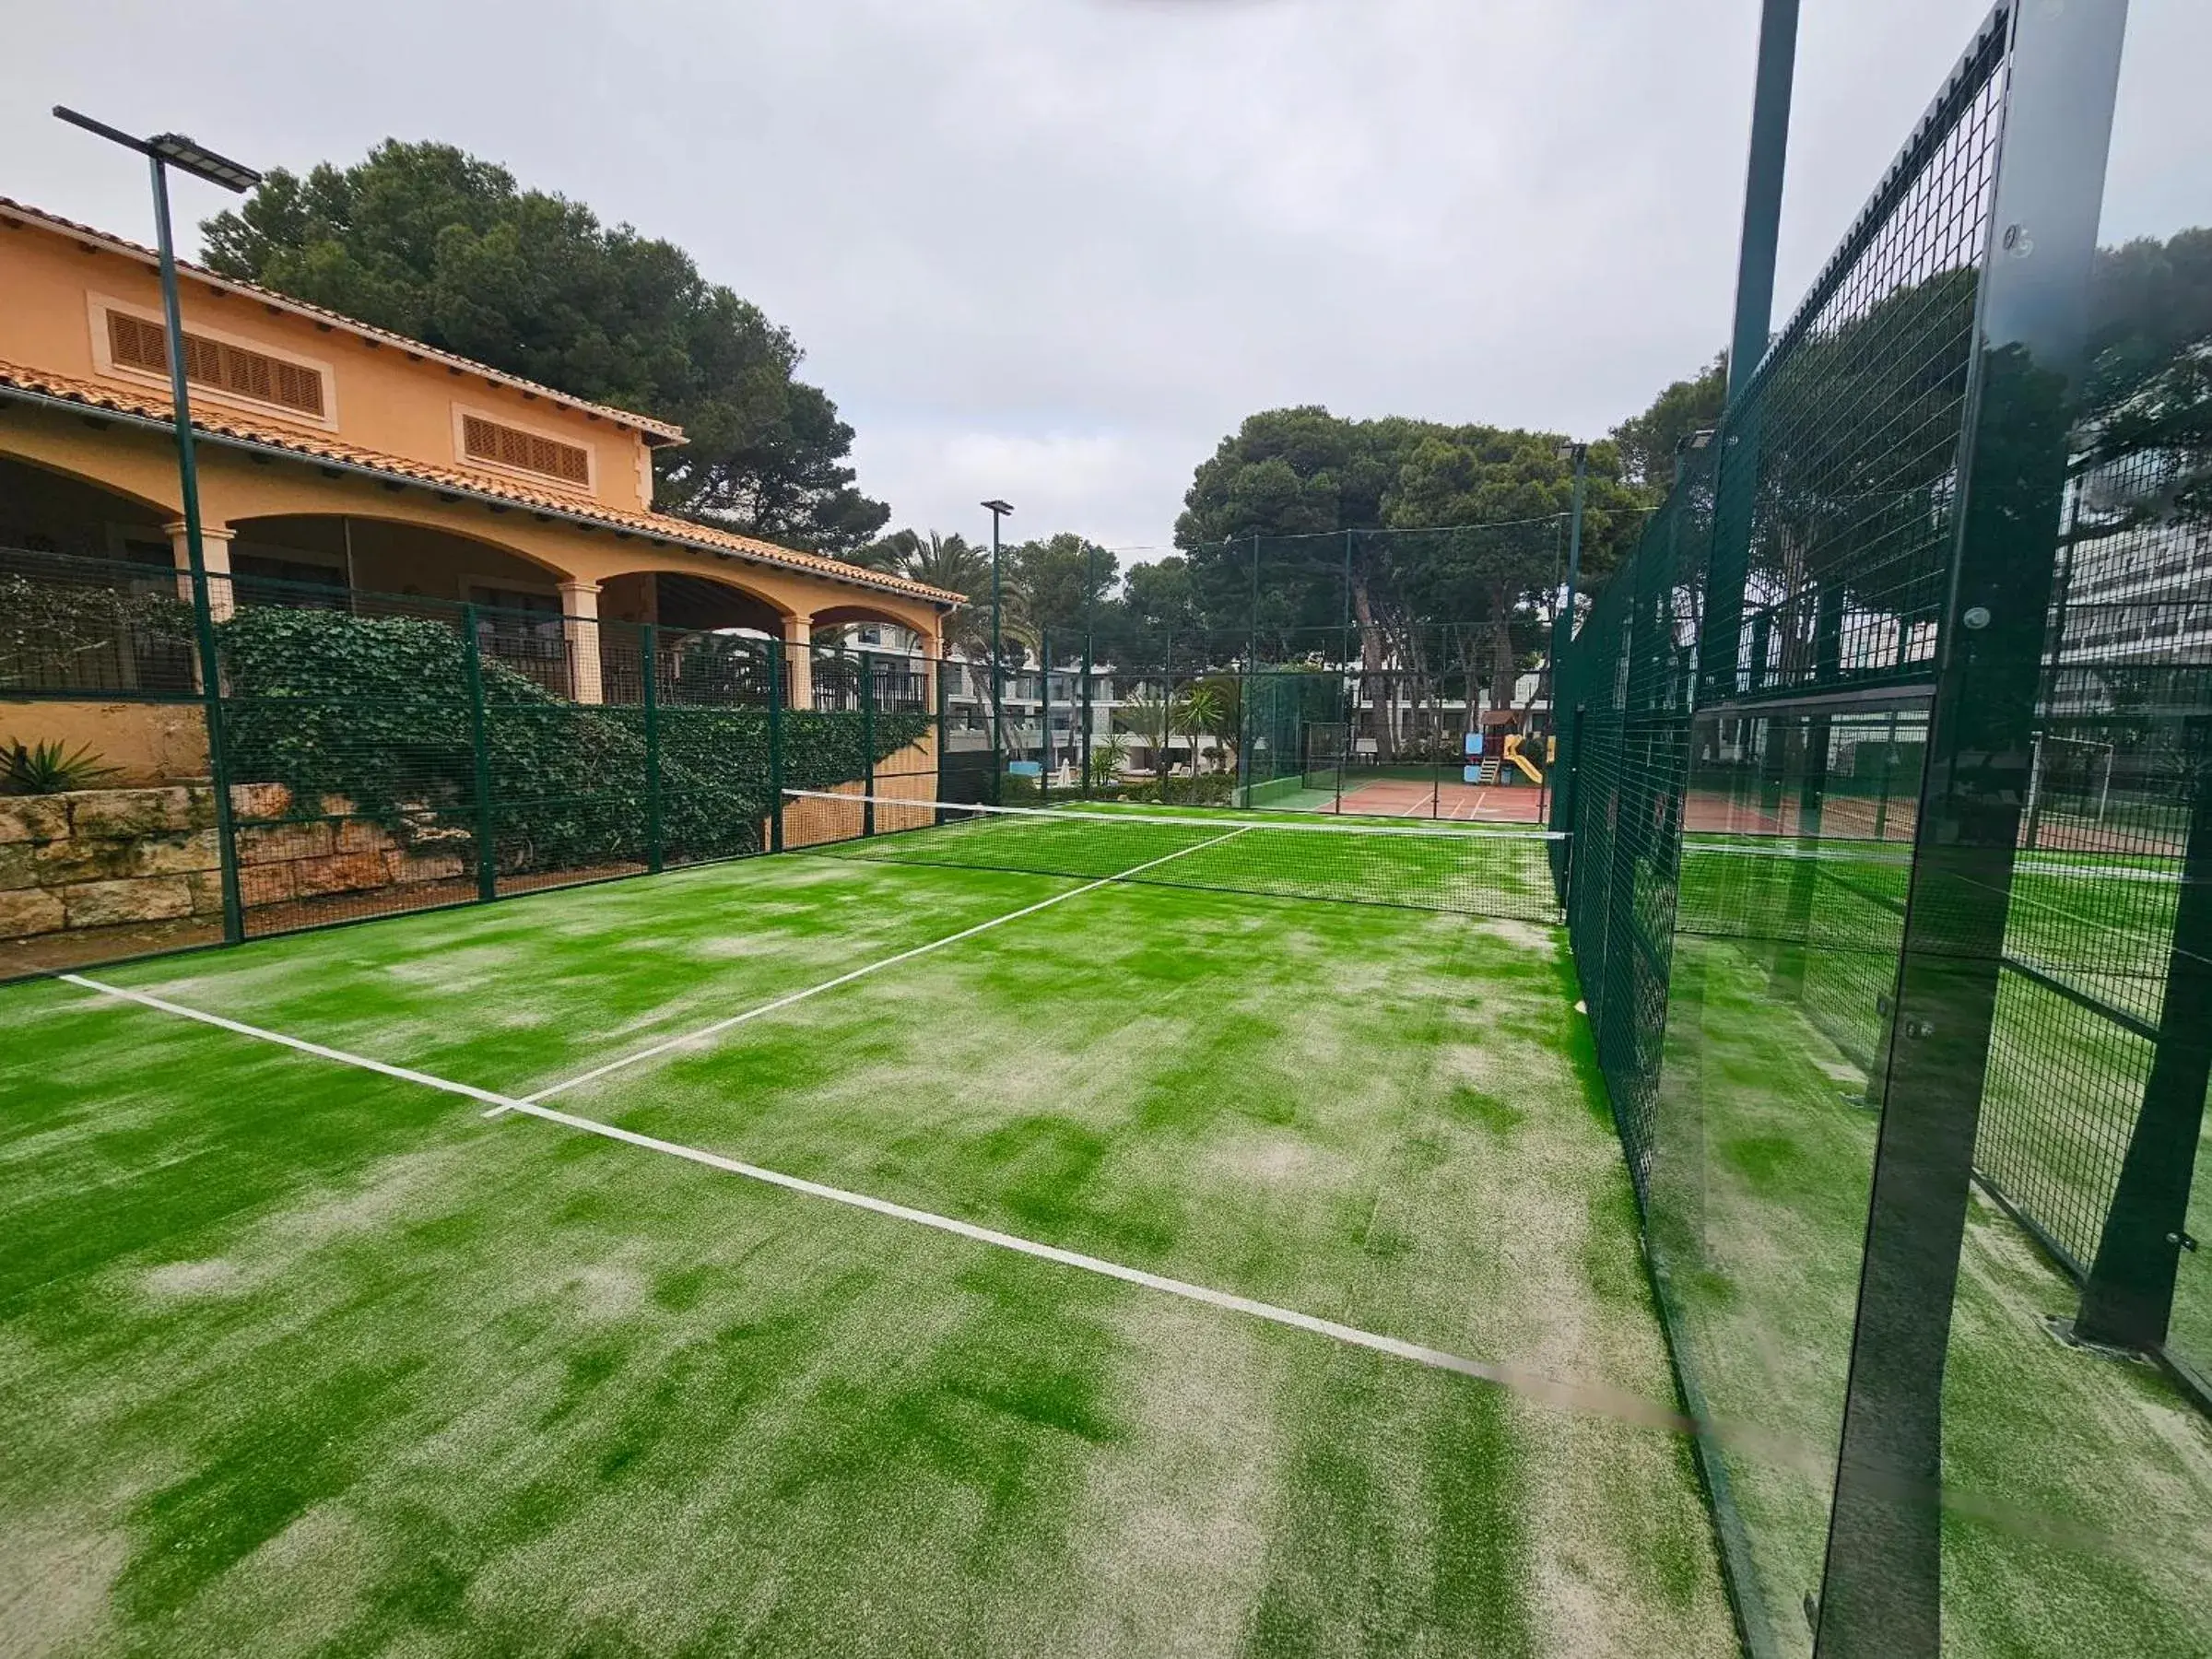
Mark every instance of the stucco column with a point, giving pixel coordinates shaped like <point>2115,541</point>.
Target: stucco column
<point>580,628</point>
<point>798,660</point>
<point>215,553</point>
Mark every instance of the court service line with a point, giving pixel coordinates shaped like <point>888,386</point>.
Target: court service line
<point>1616,1404</point>
<point>720,1025</point>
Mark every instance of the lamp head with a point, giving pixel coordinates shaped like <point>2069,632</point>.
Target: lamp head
<point>200,161</point>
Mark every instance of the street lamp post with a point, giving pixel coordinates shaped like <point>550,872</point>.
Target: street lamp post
<point>997,509</point>
<point>163,151</point>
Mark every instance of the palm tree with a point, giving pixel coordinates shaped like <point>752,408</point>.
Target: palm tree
<point>1203,710</point>
<point>954,562</point>
<point>951,562</point>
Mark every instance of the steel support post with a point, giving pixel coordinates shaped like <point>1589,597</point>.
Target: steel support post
<point>1882,1591</point>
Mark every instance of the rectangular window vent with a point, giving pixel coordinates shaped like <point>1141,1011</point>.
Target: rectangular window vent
<point>510,446</point>
<point>135,343</point>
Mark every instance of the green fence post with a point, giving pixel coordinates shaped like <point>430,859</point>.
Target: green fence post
<point>775,746</point>
<point>867,742</point>
<point>1882,1584</point>
<point>1045,719</point>
<point>1343,738</point>
<point>1166,700</point>
<point>1090,586</point>
<point>1436,759</point>
<point>2128,1301</point>
<point>944,727</point>
<point>218,768</point>
<point>480,744</point>
<point>999,726</point>
<point>1083,739</point>
<point>649,645</point>
<point>1244,681</point>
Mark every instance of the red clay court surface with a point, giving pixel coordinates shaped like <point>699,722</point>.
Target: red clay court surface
<point>1409,797</point>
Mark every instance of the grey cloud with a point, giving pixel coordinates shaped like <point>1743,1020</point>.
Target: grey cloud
<point>1053,248</point>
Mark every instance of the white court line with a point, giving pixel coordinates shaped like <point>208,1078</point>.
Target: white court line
<point>720,1025</point>
<point>404,1074</point>
<point>1612,1403</point>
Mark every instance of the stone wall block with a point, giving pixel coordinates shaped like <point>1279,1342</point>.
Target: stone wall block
<point>360,835</point>
<point>18,867</point>
<point>178,854</point>
<point>427,867</point>
<point>125,814</point>
<point>107,903</point>
<point>33,818</point>
<point>343,873</point>
<point>30,912</point>
<point>260,801</point>
<point>273,843</point>
<point>62,862</point>
<point>206,889</point>
<point>265,883</point>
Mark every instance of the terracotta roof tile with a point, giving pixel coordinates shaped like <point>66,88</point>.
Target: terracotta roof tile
<point>352,325</point>
<point>314,445</point>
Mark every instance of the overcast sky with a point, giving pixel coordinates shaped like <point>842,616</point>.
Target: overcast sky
<point>1053,250</point>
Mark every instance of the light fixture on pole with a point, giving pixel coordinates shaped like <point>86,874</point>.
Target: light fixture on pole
<point>997,509</point>
<point>163,151</point>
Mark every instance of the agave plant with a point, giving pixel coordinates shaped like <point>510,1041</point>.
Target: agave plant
<point>50,769</point>
<point>1107,754</point>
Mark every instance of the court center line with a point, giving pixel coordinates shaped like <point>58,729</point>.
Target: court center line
<point>720,1025</point>
<point>1616,1404</point>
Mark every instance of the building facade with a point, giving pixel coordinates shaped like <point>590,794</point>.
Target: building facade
<point>337,456</point>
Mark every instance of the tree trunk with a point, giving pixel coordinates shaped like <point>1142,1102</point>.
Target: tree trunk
<point>1370,669</point>
<point>1505,662</point>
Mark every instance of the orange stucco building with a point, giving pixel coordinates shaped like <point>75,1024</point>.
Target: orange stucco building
<point>334,452</point>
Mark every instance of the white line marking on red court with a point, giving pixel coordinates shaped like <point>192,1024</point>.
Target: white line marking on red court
<point>1603,1401</point>
<point>707,1032</point>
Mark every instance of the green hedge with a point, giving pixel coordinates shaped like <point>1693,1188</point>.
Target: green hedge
<point>376,709</point>
<point>1207,789</point>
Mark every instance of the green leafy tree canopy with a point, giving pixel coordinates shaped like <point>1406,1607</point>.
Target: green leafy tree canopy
<point>1647,442</point>
<point>429,241</point>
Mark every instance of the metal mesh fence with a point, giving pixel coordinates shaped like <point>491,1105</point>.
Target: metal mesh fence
<point>1832,948</point>
<point>388,753</point>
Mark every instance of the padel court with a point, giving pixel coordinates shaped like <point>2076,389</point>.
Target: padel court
<point>1040,1232</point>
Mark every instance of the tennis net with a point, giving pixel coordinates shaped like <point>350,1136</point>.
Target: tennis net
<point>1502,873</point>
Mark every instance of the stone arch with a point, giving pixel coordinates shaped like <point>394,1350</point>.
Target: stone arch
<point>387,551</point>
<point>861,614</point>
<point>46,506</point>
<point>694,600</point>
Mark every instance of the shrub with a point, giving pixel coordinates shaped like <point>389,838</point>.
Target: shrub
<point>1209,789</point>
<point>50,769</point>
<point>376,709</point>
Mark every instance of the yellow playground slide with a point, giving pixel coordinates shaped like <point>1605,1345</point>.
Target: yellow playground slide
<point>1515,757</point>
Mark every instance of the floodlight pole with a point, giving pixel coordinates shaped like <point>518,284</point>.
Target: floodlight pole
<point>1762,190</point>
<point>233,177</point>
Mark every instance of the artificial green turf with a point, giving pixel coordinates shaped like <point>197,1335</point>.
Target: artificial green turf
<point>2064,1081</point>
<point>299,1358</point>
<point>2081,1487</point>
